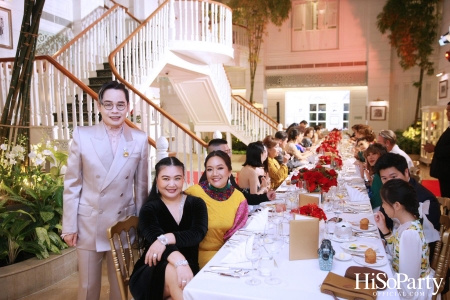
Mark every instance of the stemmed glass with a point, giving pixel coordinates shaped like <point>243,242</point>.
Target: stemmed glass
<point>273,247</point>
<point>338,207</point>
<point>302,186</point>
<point>253,254</point>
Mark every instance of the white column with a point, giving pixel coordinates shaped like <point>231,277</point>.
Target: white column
<point>76,15</point>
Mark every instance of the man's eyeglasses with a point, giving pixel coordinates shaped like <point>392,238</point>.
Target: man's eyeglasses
<point>109,105</point>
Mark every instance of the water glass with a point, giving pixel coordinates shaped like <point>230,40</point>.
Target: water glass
<point>253,254</point>
<point>273,247</point>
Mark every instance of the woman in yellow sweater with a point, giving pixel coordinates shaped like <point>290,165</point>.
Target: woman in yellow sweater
<point>277,172</point>
<point>227,207</point>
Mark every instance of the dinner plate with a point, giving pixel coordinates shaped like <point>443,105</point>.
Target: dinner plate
<point>361,260</point>
<point>358,246</point>
<point>268,203</point>
<point>336,239</point>
<point>342,256</point>
<point>371,228</point>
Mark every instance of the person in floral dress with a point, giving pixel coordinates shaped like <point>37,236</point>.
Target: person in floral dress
<point>407,246</point>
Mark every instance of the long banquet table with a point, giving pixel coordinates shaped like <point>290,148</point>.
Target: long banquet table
<point>301,278</point>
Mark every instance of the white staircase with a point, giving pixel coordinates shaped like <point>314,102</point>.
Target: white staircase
<point>186,41</point>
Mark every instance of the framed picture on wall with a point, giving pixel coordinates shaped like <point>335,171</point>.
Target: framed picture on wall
<point>443,88</point>
<point>6,40</point>
<point>378,113</point>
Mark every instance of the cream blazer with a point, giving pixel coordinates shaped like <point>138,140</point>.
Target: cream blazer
<point>98,187</point>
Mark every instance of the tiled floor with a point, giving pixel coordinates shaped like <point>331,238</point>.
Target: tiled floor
<point>66,289</point>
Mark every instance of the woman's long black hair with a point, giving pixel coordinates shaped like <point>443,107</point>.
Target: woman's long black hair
<point>398,190</point>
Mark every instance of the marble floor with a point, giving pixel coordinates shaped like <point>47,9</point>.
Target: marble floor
<point>66,289</point>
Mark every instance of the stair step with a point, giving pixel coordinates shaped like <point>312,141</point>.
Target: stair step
<point>99,80</point>
<point>95,87</point>
<point>106,66</point>
<point>104,73</point>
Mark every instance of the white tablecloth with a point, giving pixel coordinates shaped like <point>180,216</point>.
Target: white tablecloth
<point>301,278</point>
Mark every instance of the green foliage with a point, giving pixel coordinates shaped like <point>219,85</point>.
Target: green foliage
<point>39,192</point>
<point>255,15</point>
<point>238,145</point>
<point>412,26</point>
<point>409,140</point>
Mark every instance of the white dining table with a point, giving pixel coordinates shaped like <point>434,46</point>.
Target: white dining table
<point>301,279</point>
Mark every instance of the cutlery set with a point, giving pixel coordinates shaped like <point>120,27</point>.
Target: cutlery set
<point>228,271</point>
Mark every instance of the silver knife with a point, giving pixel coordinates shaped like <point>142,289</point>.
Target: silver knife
<point>224,268</point>
<point>224,274</point>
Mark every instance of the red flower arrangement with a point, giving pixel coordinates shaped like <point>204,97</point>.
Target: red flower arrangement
<point>311,210</point>
<point>319,177</point>
<point>326,160</point>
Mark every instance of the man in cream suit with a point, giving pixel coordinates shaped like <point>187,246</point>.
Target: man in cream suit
<point>106,181</point>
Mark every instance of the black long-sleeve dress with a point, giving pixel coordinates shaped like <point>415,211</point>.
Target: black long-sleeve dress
<point>155,219</point>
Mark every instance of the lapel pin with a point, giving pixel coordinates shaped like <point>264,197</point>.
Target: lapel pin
<point>125,152</point>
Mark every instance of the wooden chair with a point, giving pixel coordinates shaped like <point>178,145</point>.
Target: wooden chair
<point>445,205</point>
<point>441,257</point>
<point>127,251</point>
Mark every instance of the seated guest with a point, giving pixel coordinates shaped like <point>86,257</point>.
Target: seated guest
<point>227,207</point>
<point>291,149</point>
<point>389,139</point>
<point>252,199</point>
<point>360,146</point>
<point>278,173</point>
<point>393,166</point>
<point>282,138</point>
<point>317,134</point>
<point>407,245</point>
<point>171,226</point>
<point>307,142</point>
<point>252,176</point>
<point>372,154</point>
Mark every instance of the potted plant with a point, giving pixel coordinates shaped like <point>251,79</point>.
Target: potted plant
<point>34,226</point>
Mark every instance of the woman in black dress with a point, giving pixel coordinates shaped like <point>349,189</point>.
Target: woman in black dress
<point>171,225</point>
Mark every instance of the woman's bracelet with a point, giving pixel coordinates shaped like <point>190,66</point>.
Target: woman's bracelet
<point>182,262</point>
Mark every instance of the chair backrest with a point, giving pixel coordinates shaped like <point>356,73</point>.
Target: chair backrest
<point>445,205</point>
<point>445,225</point>
<point>129,253</point>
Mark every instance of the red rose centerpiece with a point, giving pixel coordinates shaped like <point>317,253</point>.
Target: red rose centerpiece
<point>318,178</point>
<point>311,210</point>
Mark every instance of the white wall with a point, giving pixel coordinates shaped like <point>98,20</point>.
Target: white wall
<point>443,64</point>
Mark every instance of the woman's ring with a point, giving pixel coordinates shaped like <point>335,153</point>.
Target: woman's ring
<point>155,255</point>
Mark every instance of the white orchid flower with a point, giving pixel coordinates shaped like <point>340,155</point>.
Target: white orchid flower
<point>3,146</point>
<point>32,154</point>
<point>63,170</point>
<point>46,152</point>
<point>12,161</point>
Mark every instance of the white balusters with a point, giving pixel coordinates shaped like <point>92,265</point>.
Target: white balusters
<point>93,47</point>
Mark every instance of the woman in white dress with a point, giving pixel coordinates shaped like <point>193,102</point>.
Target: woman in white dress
<point>407,245</point>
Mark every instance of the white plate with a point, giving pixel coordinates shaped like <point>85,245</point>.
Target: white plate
<point>342,256</point>
<point>269,203</point>
<point>380,261</point>
<point>358,246</point>
<point>336,239</point>
<point>371,228</point>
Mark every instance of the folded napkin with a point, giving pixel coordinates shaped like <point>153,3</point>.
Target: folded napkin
<point>237,253</point>
<point>356,195</point>
<point>259,220</point>
<point>349,162</point>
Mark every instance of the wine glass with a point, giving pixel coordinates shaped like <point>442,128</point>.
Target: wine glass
<point>273,247</point>
<point>338,207</point>
<point>302,186</point>
<point>253,254</point>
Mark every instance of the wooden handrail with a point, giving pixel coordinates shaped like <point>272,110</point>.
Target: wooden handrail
<point>250,106</point>
<point>126,10</point>
<point>142,96</point>
<point>81,34</point>
<point>82,85</point>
